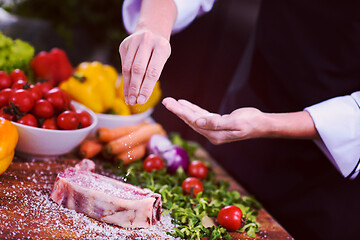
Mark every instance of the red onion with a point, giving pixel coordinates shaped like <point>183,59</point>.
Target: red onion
<point>176,157</point>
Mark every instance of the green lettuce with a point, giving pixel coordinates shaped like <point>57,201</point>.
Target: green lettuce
<point>15,54</point>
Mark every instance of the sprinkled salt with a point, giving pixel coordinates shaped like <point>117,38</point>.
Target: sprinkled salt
<point>27,212</point>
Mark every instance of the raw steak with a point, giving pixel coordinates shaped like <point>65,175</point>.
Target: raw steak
<point>104,198</point>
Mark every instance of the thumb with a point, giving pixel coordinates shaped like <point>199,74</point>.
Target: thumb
<point>209,122</point>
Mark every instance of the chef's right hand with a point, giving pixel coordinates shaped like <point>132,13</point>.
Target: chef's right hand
<point>143,56</point>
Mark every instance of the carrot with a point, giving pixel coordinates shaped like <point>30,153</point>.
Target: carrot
<point>133,139</point>
<point>132,155</point>
<point>90,148</point>
<point>108,134</point>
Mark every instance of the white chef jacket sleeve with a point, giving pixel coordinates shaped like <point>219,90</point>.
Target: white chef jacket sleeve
<point>337,121</point>
<point>187,10</point>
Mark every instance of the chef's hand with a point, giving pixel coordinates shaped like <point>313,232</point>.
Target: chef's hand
<point>143,56</point>
<point>144,53</point>
<point>243,123</point>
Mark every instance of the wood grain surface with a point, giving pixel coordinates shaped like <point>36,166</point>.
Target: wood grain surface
<point>26,211</point>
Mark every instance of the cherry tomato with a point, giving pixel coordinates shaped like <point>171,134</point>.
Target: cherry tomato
<point>58,98</point>
<point>19,84</point>
<point>230,217</point>
<point>84,118</point>
<point>50,123</point>
<point>4,96</point>
<point>5,80</point>
<point>45,87</point>
<point>192,186</point>
<point>43,109</point>
<point>68,120</point>
<point>35,92</point>
<point>29,120</point>
<point>18,74</point>
<point>22,99</point>
<point>197,169</point>
<point>153,162</point>
<point>6,115</point>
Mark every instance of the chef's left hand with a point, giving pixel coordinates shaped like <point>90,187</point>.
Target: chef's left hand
<point>243,123</point>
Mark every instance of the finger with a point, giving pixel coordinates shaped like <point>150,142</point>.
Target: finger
<point>138,69</point>
<point>127,61</point>
<point>193,107</point>
<point>183,112</point>
<point>153,71</point>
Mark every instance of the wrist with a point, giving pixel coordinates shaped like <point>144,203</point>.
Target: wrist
<point>157,16</point>
<point>290,125</point>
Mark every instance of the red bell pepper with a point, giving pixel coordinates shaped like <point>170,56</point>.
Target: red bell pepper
<point>53,66</point>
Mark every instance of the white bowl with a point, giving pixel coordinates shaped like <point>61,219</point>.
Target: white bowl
<point>39,142</point>
<point>112,121</point>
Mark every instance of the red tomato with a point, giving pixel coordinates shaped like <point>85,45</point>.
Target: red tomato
<point>18,74</point>
<point>197,169</point>
<point>45,87</point>
<point>6,115</point>
<point>19,84</point>
<point>153,162</point>
<point>35,92</point>
<point>192,186</point>
<point>230,217</point>
<point>5,80</point>
<point>4,96</point>
<point>58,98</point>
<point>84,118</point>
<point>68,120</point>
<point>29,120</point>
<point>22,99</point>
<point>43,109</point>
<point>50,123</point>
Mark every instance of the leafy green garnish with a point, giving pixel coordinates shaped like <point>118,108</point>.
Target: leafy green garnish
<point>187,212</point>
<point>15,54</point>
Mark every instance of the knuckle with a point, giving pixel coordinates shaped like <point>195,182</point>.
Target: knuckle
<point>153,73</point>
<point>146,36</point>
<point>146,91</point>
<point>126,69</point>
<point>138,69</point>
<point>132,88</point>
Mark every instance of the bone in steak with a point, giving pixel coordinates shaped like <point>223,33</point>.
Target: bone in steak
<point>104,198</point>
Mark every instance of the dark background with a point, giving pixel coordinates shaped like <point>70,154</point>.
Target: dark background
<point>204,55</point>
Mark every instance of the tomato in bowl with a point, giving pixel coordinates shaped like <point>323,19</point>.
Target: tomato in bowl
<point>42,143</point>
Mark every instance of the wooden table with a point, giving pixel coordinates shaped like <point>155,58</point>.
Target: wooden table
<point>26,212</point>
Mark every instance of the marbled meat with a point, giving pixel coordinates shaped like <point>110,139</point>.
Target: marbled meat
<point>104,198</point>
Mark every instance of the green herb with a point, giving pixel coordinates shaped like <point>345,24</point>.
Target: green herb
<point>187,212</point>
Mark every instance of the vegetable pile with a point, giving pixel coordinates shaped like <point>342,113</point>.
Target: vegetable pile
<point>200,205</point>
<point>38,105</point>
<point>126,144</point>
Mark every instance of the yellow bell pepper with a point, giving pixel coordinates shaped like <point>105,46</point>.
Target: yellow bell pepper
<point>104,79</point>
<point>120,107</point>
<point>8,140</point>
<point>152,101</point>
<point>84,93</point>
<point>93,85</point>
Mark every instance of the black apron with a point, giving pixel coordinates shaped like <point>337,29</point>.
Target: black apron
<point>301,53</point>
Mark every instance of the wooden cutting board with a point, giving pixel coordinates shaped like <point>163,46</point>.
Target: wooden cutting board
<point>26,211</point>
